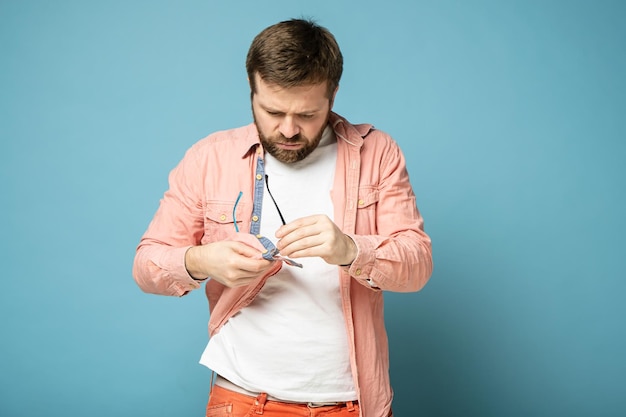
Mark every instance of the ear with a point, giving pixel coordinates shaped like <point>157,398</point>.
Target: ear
<point>332,98</point>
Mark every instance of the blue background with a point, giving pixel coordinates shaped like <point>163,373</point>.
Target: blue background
<point>512,118</point>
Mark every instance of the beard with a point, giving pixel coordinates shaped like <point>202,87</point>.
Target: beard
<point>285,155</point>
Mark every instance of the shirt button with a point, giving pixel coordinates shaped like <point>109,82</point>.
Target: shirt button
<point>255,218</point>
<point>258,177</point>
<point>223,217</point>
<point>357,272</point>
<point>361,202</point>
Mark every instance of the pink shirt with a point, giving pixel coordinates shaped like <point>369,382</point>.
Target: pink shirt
<point>373,203</point>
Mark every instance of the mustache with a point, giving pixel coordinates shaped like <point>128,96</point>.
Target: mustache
<point>295,138</point>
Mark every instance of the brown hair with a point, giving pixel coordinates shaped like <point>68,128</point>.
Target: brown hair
<point>293,53</point>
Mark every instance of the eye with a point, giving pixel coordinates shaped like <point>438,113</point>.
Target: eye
<point>307,116</point>
<point>274,113</point>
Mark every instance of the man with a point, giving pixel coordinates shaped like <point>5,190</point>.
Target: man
<point>296,223</point>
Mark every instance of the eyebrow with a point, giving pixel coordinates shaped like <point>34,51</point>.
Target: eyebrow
<point>270,109</point>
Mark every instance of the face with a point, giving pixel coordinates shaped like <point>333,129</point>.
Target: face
<point>290,121</point>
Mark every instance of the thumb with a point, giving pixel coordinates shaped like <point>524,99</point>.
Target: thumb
<point>251,244</point>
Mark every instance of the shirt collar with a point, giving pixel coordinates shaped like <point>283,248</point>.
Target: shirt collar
<point>352,134</point>
<point>343,130</point>
<point>251,141</point>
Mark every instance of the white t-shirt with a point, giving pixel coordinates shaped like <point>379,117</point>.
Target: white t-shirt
<point>291,341</point>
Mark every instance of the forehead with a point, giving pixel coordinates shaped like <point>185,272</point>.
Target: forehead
<point>307,95</point>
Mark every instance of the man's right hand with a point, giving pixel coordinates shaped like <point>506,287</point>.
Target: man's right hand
<point>232,263</point>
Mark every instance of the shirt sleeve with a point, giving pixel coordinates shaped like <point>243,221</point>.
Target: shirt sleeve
<point>159,264</point>
<point>399,256</point>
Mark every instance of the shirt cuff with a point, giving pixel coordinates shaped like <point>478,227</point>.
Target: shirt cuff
<point>361,266</point>
<point>173,262</point>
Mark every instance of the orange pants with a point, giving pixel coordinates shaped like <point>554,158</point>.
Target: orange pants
<point>227,403</point>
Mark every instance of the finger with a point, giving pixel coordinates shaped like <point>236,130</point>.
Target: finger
<point>237,256</point>
<point>252,266</point>
<point>246,250</point>
<point>308,246</point>
<point>298,239</point>
<point>315,226</point>
<point>242,274</point>
<point>297,224</point>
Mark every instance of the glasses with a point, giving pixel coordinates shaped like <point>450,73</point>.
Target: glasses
<point>277,255</point>
<point>267,186</point>
<point>272,252</point>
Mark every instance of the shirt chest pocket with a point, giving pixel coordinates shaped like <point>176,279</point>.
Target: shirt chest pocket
<point>219,219</point>
<point>367,204</point>
<point>368,197</point>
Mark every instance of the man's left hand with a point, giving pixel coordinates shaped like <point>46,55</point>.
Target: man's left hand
<point>316,236</point>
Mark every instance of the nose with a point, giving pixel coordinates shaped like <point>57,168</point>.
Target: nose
<point>288,128</point>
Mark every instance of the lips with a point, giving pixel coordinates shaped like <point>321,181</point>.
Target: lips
<point>289,146</point>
